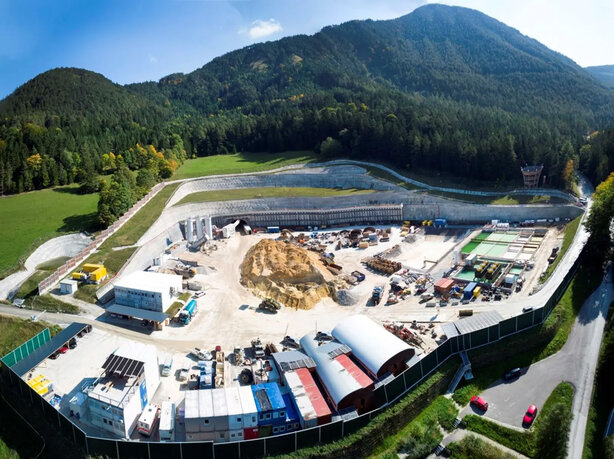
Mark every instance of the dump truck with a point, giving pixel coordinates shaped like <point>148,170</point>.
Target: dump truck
<point>376,296</point>
<point>269,304</point>
<point>188,312</point>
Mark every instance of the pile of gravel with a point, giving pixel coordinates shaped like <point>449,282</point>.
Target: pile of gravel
<point>346,297</point>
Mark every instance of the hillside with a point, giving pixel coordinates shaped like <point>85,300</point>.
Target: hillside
<point>440,89</point>
<point>603,73</point>
<point>439,50</point>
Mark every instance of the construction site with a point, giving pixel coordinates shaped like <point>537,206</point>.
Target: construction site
<point>246,325</point>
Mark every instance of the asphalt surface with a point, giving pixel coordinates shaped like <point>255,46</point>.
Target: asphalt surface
<point>574,363</point>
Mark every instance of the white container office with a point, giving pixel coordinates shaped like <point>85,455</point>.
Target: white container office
<point>167,422</point>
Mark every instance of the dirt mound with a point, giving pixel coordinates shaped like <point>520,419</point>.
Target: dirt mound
<point>293,276</point>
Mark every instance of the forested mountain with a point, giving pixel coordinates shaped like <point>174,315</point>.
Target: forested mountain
<point>604,73</point>
<point>442,88</point>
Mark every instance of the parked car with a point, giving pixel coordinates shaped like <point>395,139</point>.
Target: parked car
<point>479,403</point>
<point>527,309</point>
<point>54,355</point>
<point>72,343</point>
<point>512,374</point>
<point>63,349</point>
<point>529,416</point>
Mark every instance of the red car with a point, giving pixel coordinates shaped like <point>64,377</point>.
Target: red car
<point>529,416</point>
<point>479,403</point>
<point>62,350</point>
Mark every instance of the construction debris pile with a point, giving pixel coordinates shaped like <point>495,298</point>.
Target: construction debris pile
<point>291,275</point>
<point>383,265</point>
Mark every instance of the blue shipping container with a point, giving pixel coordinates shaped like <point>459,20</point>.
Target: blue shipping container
<point>468,291</point>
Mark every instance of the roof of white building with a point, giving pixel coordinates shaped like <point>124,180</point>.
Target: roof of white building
<point>371,343</point>
<point>149,282</point>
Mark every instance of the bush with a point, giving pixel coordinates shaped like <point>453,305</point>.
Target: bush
<point>472,447</point>
<point>513,439</point>
<point>553,433</point>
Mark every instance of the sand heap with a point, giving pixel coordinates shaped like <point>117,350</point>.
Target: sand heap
<point>293,276</point>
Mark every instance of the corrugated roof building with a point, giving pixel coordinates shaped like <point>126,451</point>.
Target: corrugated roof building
<point>378,350</point>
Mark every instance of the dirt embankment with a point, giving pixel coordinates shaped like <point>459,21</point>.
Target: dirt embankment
<point>293,276</point>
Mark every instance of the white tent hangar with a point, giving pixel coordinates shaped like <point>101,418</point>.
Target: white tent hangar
<point>346,385</point>
<point>375,347</point>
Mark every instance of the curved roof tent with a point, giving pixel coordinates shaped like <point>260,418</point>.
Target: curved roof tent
<point>345,383</point>
<point>377,349</point>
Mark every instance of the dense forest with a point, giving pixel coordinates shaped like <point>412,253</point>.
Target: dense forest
<point>443,88</point>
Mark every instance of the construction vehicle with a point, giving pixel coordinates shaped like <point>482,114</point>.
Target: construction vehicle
<point>376,296</point>
<point>257,349</point>
<point>405,334</point>
<point>238,355</point>
<point>187,313</point>
<point>185,271</point>
<point>201,354</point>
<point>270,305</point>
<point>288,341</point>
<point>321,336</point>
<point>358,275</point>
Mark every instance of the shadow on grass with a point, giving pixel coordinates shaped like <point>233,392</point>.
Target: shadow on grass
<point>84,222</point>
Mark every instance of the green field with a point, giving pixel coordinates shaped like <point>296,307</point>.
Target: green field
<point>241,163</point>
<point>268,192</point>
<point>31,218</point>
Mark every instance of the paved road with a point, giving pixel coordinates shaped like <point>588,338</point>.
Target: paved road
<point>575,363</point>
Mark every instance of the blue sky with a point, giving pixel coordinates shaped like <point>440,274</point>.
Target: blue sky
<point>139,40</point>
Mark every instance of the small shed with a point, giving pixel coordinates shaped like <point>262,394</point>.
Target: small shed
<point>444,285</point>
<point>68,286</point>
<point>468,291</point>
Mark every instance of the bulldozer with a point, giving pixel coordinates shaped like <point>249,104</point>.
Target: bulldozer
<point>269,304</point>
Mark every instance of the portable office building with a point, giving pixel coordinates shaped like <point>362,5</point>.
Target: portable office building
<point>270,404</point>
<point>235,410</point>
<point>206,411</point>
<point>250,413</point>
<point>220,410</point>
<point>375,347</point>
<point>167,422</point>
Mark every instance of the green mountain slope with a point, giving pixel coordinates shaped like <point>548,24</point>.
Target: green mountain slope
<point>603,73</point>
<point>442,88</point>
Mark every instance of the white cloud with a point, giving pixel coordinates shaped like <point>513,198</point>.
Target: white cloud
<point>260,29</point>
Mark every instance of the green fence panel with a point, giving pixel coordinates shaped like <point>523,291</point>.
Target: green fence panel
<point>444,350</point>
<point>331,432</point>
<point>395,388</point>
<point>80,438</point>
<point>252,448</point>
<point>307,438</point>
<point>227,450</point>
<point>101,447</point>
<point>479,337</point>
<point>353,425</point>
<point>379,397</point>
<point>525,320</point>
<point>132,449</point>
<point>66,426</point>
<point>412,375</point>
<point>507,326</point>
<point>429,362</point>
<point>165,451</point>
<point>538,316</point>
<point>279,444</point>
<point>201,450</point>
<point>493,333</point>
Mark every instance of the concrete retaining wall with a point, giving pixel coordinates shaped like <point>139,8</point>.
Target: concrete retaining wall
<point>344,177</point>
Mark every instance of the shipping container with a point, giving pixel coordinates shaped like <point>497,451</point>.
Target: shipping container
<point>191,412</point>
<point>272,229</point>
<point>477,291</point>
<point>468,291</point>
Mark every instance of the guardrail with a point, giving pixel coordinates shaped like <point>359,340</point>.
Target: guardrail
<point>46,284</point>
